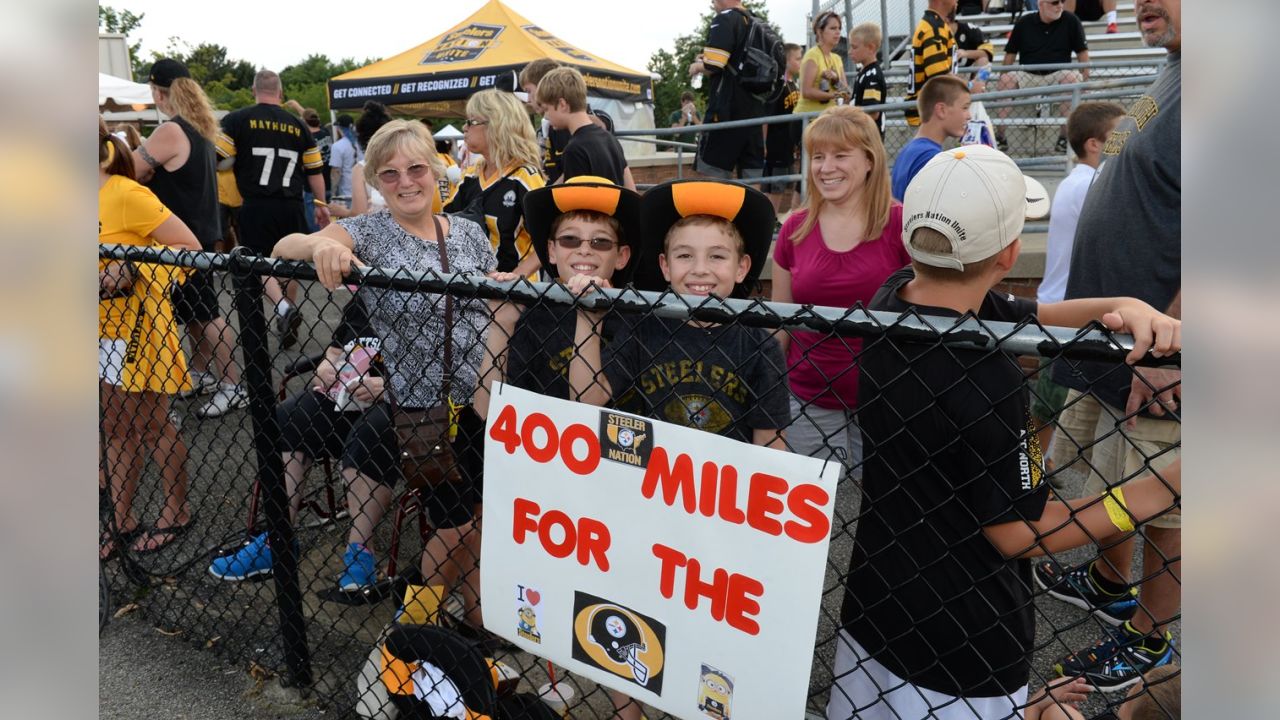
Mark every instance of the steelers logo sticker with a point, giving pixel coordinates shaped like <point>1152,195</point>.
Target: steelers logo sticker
<point>625,439</point>
<point>619,641</point>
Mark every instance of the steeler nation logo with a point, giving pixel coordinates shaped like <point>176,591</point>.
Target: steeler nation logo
<point>626,439</point>
<point>619,640</point>
<point>465,43</point>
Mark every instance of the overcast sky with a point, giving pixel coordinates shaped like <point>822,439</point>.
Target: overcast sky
<point>276,34</point>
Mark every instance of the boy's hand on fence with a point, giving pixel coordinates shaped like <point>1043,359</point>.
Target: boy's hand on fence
<point>1062,691</point>
<point>1163,384</point>
<point>1151,329</point>
<point>584,285</point>
<point>333,262</point>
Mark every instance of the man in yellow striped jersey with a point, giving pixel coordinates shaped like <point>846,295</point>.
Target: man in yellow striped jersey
<point>270,151</point>
<point>932,51</point>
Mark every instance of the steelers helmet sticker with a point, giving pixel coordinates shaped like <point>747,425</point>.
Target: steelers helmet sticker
<point>625,438</point>
<point>619,640</point>
<point>715,693</point>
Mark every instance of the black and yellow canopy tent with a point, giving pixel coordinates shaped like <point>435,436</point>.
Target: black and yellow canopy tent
<point>435,78</point>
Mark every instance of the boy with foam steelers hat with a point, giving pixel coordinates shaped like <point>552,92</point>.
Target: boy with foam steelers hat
<point>705,238</point>
<point>938,619</point>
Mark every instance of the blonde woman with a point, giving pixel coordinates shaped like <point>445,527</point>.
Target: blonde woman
<point>837,251</point>
<point>492,190</point>
<point>178,163</point>
<point>822,79</point>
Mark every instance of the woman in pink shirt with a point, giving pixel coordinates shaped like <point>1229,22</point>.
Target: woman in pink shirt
<point>835,252</point>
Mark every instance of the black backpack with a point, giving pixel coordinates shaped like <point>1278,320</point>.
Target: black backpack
<point>760,65</point>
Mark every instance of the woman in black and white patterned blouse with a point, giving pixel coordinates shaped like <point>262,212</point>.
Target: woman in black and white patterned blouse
<point>401,162</point>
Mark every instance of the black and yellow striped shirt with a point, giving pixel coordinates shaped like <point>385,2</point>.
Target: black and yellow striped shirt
<point>932,51</point>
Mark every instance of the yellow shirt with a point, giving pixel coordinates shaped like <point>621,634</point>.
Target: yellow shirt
<point>824,62</point>
<point>127,215</point>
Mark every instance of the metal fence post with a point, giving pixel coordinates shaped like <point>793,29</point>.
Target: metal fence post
<point>266,442</point>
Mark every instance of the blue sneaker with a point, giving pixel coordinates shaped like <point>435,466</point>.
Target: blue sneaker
<point>1119,660</point>
<point>361,572</point>
<point>252,560</point>
<point>1074,586</point>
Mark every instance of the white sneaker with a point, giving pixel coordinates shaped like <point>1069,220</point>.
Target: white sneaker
<point>202,383</point>
<point>228,398</point>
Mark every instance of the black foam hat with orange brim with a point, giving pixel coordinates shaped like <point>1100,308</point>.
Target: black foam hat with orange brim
<point>585,192</point>
<point>407,647</point>
<point>666,204</point>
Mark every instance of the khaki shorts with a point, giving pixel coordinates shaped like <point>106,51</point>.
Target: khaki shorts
<point>1057,77</point>
<point>1118,457</point>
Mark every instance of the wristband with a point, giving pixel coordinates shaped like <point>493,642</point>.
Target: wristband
<point>319,203</point>
<point>1117,510</point>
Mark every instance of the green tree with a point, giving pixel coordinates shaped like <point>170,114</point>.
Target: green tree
<point>673,66</point>
<point>307,81</point>
<point>124,22</point>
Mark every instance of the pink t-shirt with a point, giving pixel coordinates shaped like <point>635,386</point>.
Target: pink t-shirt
<point>822,368</point>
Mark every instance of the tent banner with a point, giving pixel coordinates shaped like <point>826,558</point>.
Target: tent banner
<point>677,566</point>
<point>459,85</point>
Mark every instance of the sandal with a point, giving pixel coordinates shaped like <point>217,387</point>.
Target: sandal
<point>164,535</point>
<point>107,540</point>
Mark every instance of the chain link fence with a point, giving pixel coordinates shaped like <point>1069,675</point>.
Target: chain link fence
<point>295,531</point>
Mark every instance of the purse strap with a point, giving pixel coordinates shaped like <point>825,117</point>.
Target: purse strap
<point>447,378</point>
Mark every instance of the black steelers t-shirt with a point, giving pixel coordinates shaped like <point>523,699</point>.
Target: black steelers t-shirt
<point>725,379</point>
<point>949,449</point>
<point>541,347</point>
<point>273,151</point>
<point>869,88</point>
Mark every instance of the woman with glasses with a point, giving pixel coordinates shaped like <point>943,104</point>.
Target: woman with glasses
<point>401,161</point>
<point>492,190</point>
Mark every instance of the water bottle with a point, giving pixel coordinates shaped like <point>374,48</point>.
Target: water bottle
<point>696,82</point>
<point>984,73</point>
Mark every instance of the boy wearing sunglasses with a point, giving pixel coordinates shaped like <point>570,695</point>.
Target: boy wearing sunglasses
<point>587,226</point>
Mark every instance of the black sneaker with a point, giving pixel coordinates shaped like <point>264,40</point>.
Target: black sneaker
<point>1074,586</point>
<point>287,326</point>
<point>1061,145</point>
<point>1002,143</point>
<point>1117,661</point>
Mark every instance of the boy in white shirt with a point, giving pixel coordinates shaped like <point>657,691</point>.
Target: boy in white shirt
<point>1088,127</point>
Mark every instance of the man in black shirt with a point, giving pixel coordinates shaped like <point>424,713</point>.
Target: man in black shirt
<point>270,151</point>
<point>1045,37</point>
<point>723,151</point>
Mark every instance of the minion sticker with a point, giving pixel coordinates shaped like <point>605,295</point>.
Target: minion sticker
<point>619,640</point>
<point>715,693</point>
<point>527,601</point>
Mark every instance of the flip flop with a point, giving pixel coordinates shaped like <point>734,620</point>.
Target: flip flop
<point>107,538</point>
<point>167,535</point>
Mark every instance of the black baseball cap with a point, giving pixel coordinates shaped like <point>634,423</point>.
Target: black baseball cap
<point>165,71</point>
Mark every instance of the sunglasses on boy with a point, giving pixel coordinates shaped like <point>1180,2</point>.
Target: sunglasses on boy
<point>391,176</point>
<point>573,242</point>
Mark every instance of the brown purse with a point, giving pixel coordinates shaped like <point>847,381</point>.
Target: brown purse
<point>426,455</point>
